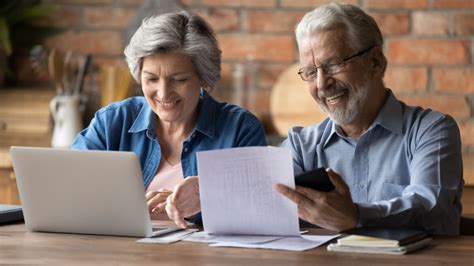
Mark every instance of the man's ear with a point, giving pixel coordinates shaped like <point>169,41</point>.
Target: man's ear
<point>378,61</point>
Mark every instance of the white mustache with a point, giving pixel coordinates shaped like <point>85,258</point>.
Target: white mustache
<point>332,91</point>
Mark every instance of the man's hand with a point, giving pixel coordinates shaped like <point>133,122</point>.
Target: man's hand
<point>184,201</point>
<point>333,210</point>
<point>156,200</point>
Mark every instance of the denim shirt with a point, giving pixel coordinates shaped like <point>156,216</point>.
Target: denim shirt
<point>130,125</point>
<point>405,170</point>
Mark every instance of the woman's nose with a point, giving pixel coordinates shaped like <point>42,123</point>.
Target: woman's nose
<point>162,89</point>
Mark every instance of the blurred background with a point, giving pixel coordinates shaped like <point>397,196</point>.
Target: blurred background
<point>429,45</point>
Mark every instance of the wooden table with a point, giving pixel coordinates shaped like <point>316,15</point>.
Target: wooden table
<point>9,192</point>
<point>20,246</point>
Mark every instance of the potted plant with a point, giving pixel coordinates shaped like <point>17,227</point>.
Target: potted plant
<point>20,27</point>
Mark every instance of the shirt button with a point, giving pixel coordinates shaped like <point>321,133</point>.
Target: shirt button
<point>361,186</point>
<point>193,135</point>
<point>186,149</point>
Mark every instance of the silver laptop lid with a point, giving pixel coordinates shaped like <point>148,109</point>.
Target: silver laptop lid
<point>88,192</point>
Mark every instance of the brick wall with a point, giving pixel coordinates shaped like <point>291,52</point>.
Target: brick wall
<point>429,45</point>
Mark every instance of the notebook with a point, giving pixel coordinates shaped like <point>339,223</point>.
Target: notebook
<point>400,250</point>
<point>85,192</point>
<point>381,237</point>
<point>381,240</point>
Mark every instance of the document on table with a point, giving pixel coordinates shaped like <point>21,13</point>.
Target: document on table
<point>292,243</point>
<point>168,238</point>
<point>237,190</point>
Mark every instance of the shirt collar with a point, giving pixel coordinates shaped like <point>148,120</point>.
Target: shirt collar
<point>389,117</point>
<point>146,119</point>
<point>206,123</point>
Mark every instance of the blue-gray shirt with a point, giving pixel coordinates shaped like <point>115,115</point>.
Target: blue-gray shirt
<point>129,125</point>
<point>405,170</point>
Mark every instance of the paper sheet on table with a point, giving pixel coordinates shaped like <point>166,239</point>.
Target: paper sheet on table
<point>204,237</point>
<point>237,190</point>
<point>295,243</point>
<point>168,238</point>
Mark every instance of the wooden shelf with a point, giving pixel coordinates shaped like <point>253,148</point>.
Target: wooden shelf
<point>468,164</point>
<point>24,119</point>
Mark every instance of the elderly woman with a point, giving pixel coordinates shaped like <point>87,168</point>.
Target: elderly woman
<point>176,59</point>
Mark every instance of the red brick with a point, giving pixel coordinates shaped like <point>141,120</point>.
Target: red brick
<point>272,21</point>
<point>428,51</point>
<point>258,102</point>
<point>467,133</point>
<point>26,74</point>
<point>94,42</point>
<point>185,3</point>
<point>226,87</point>
<point>391,4</point>
<point>463,24</point>
<point>257,47</point>
<point>430,23</point>
<point>80,2</point>
<point>313,3</point>
<point>107,60</point>
<point>108,17</point>
<point>453,3</point>
<point>226,71</point>
<point>269,74</point>
<point>240,3</point>
<point>406,79</point>
<point>64,16</point>
<point>129,2</point>
<point>457,80</point>
<point>392,23</point>
<point>225,83</point>
<point>439,103</point>
<point>221,19</point>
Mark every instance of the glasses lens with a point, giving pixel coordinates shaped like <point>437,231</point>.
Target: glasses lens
<point>334,68</point>
<point>308,73</point>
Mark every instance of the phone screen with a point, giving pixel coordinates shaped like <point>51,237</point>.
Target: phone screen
<point>316,179</point>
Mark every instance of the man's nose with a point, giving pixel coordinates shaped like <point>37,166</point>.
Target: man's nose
<point>323,80</point>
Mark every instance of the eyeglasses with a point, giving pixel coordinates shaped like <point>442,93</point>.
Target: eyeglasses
<point>311,72</point>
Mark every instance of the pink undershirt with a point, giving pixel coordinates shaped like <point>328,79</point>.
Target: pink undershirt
<point>167,177</point>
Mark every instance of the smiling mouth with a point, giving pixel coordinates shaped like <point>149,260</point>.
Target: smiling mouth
<point>334,99</point>
<point>168,104</point>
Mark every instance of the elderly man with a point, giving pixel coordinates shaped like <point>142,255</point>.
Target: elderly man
<point>392,164</point>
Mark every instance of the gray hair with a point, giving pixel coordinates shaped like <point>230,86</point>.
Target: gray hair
<point>362,30</point>
<point>186,33</point>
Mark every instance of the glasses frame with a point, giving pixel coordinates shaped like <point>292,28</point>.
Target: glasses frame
<point>325,67</point>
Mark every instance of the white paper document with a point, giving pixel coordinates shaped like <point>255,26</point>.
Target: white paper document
<point>168,238</point>
<point>292,243</point>
<point>238,196</point>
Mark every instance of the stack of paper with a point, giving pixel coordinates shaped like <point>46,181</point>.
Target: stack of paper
<point>239,203</point>
<point>381,240</point>
<point>294,243</point>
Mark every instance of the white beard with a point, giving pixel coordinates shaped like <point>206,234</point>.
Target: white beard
<point>357,98</point>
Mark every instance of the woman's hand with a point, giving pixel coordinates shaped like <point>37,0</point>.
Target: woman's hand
<point>184,201</point>
<point>156,200</point>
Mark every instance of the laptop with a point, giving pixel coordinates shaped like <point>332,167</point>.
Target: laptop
<point>82,191</point>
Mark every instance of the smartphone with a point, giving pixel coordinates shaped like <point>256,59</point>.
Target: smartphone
<point>316,179</point>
